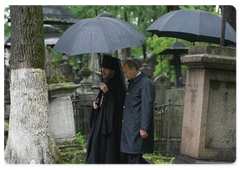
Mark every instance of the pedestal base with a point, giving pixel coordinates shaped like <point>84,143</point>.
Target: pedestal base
<point>181,159</point>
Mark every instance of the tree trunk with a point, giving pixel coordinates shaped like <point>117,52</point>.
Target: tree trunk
<point>29,139</point>
<point>126,50</point>
<point>27,39</point>
<point>231,14</point>
<point>223,27</point>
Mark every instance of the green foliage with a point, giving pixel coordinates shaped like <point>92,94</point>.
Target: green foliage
<point>7,26</point>
<point>140,16</point>
<point>64,159</point>
<point>81,139</point>
<point>76,161</point>
<point>158,158</point>
<point>6,126</point>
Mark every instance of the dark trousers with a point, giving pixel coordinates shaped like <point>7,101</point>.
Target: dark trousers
<point>133,159</point>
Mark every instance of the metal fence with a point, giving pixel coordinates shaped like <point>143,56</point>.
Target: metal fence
<point>168,129</point>
<point>81,109</point>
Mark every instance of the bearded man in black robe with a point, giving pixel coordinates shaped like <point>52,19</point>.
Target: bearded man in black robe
<point>106,115</point>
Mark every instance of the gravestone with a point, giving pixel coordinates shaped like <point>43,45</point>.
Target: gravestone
<point>161,85</point>
<point>87,95</point>
<point>209,120</point>
<point>52,67</point>
<point>94,66</point>
<point>85,84</point>
<point>148,71</point>
<point>61,111</point>
<point>67,68</point>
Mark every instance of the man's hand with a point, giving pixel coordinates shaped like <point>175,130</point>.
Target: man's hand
<point>143,133</point>
<point>104,87</point>
<point>95,106</point>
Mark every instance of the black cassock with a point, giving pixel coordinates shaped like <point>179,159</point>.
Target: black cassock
<point>105,124</point>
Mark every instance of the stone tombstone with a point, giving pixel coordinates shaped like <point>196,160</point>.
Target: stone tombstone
<point>52,67</point>
<point>85,84</point>
<point>209,120</point>
<point>161,85</point>
<point>67,68</point>
<point>61,116</point>
<point>95,67</point>
<point>148,71</point>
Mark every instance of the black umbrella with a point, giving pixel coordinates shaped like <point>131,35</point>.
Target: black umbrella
<point>193,26</point>
<point>98,35</point>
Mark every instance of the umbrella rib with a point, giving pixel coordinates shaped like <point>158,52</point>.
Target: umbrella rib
<point>79,30</point>
<point>104,36</point>
<point>117,20</point>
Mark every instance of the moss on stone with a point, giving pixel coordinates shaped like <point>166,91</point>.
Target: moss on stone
<point>57,80</point>
<point>85,70</point>
<point>63,85</point>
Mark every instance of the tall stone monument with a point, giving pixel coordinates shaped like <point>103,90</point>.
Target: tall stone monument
<point>161,84</point>
<point>67,69</point>
<point>95,67</point>
<point>209,120</point>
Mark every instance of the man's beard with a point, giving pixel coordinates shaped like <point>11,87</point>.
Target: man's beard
<point>106,79</point>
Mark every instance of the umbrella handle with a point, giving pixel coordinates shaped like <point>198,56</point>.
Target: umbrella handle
<point>96,12</point>
<point>101,66</point>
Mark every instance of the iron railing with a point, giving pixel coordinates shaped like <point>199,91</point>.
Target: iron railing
<point>168,129</point>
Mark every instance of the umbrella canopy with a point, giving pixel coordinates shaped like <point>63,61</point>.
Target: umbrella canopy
<point>193,26</point>
<point>98,35</point>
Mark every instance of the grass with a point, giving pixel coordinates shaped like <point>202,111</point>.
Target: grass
<point>155,158</point>
<point>158,158</point>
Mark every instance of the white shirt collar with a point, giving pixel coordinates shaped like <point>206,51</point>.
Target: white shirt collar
<point>138,73</point>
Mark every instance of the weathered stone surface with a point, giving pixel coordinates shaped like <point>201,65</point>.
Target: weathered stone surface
<point>221,119</point>
<point>61,118</point>
<point>62,89</point>
<point>209,121</point>
<point>61,113</point>
<point>213,50</point>
<point>161,84</point>
<point>209,61</point>
<point>52,67</point>
<point>95,67</point>
<point>181,159</point>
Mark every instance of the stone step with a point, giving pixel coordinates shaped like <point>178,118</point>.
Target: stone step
<point>67,157</point>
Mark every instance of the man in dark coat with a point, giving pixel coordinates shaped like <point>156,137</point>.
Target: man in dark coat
<point>106,115</point>
<point>138,116</point>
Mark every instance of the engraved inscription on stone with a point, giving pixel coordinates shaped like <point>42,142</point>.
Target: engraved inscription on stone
<point>61,118</point>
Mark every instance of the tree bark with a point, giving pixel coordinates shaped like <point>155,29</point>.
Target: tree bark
<point>223,26</point>
<point>231,15</point>
<point>29,139</point>
<point>126,50</point>
<point>27,39</point>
